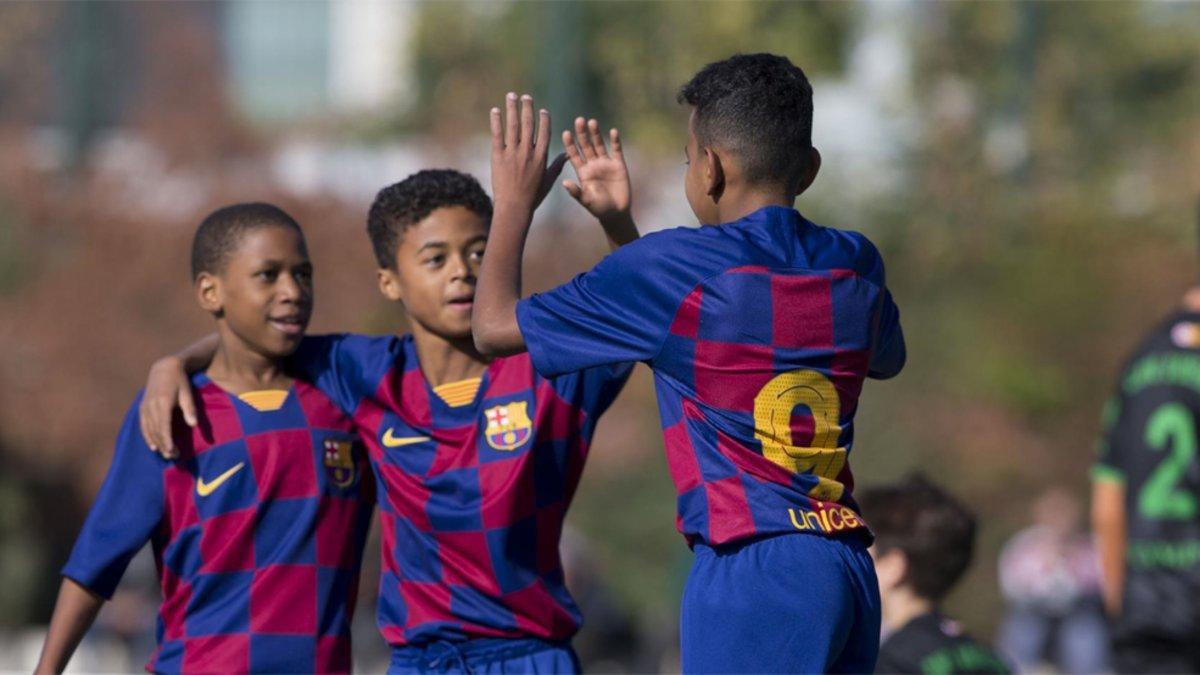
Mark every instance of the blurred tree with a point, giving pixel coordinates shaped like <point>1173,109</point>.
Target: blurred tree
<point>620,61</point>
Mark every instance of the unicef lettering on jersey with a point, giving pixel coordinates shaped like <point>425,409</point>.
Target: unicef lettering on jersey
<point>826,518</point>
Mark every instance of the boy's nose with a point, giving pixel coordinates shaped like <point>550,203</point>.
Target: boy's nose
<point>289,288</point>
<point>461,269</point>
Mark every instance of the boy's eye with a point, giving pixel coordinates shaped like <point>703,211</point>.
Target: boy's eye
<point>476,255</point>
<point>435,259</point>
<point>268,275</point>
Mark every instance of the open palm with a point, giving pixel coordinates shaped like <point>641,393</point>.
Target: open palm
<point>603,179</point>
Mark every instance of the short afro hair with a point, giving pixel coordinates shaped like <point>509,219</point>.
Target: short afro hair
<point>401,205</point>
<point>759,107</point>
<point>934,530</point>
<point>222,230</point>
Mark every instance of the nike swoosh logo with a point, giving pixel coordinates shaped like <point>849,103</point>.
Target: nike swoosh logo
<point>392,442</point>
<point>205,489</point>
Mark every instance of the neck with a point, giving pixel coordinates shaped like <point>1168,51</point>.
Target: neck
<point>740,201</point>
<point>444,359</point>
<point>902,606</point>
<point>238,369</point>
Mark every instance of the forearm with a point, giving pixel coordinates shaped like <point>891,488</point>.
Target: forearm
<point>1108,522</point>
<point>198,355</point>
<point>619,229</point>
<point>74,613</point>
<point>494,320</point>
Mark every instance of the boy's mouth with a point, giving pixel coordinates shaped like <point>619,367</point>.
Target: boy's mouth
<point>462,301</point>
<point>288,325</point>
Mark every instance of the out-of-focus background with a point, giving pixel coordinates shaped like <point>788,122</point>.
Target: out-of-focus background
<point>1029,171</point>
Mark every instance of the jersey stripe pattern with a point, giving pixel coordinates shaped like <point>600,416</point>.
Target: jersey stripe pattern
<point>257,531</point>
<point>760,334</point>
<point>472,496</point>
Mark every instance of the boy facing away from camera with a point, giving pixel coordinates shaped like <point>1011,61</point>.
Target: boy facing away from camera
<point>760,328</point>
<point>924,540</point>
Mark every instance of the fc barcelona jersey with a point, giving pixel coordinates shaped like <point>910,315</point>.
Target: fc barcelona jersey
<point>760,334</point>
<point>472,495</point>
<point>257,531</point>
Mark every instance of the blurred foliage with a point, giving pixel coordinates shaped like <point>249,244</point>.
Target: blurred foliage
<point>618,61</point>
<point>1044,219</point>
<point>1044,222</point>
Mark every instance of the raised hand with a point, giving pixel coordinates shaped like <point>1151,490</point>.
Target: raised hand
<point>603,187</point>
<point>519,172</point>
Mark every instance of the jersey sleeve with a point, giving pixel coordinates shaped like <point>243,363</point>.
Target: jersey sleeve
<point>888,351</point>
<point>345,367</point>
<point>620,311</point>
<point>594,389</point>
<point>1109,464</point>
<point>127,511</point>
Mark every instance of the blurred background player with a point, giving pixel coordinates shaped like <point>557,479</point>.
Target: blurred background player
<point>760,330</point>
<point>1145,489</point>
<point>1050,579</point>
<point>924,540</point>
<point>258,528</point>
<point>477,459</point>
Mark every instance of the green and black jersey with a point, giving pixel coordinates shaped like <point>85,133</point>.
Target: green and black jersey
<point>1150,446</point>
<point>932,645</point>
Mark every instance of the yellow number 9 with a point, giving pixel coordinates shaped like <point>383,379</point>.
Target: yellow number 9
<point>772,427</point>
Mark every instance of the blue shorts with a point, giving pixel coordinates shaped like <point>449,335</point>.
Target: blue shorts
<point>486,657</point>
<point>793,603</point>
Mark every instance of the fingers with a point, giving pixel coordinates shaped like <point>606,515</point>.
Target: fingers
<point>497,130</point>
<point>512,130</point>
<point>527,140</point>
<point>572,189</point>
<point>615,137</point>
<point>596,139</point>
<point>577,160</point>
<point>585,144</point>
<point>541,146</point>
<point>187,405</point>
<point>155,417</point>
<point>144,425</point>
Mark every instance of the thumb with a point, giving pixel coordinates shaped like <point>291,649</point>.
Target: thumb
<point>187,405</point>
<point>573,190</point>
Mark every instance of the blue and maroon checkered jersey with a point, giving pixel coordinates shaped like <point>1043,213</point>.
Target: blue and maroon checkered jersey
<point>257,530</point>
<point>472,497</point>
<point>760,333</point>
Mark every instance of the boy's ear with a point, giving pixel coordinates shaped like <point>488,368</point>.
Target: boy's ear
<point>208,293</point>
<point>810,174</point>
<point>891,568</point>
<point>390,284</point>
<point>714,174</point>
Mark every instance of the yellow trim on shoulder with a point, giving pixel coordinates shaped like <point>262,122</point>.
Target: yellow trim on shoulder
<point>265,400</point>
<point>460,393</point>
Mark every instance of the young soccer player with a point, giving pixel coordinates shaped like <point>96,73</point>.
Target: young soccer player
<point>924,540</point>
<point>477,459</point>
<point>760,329</point>
<point>258,528</point>
<point>1146,500</point>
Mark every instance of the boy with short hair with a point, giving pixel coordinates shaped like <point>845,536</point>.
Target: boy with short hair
<point>258,529</point>
<point>924,539</point>
<point>477,459</point>
<point>760,329</point>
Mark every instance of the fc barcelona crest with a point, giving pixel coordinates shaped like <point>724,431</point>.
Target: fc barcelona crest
<point>508,425</point>
<point>339,462</point>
